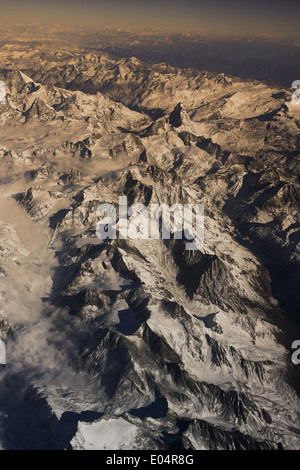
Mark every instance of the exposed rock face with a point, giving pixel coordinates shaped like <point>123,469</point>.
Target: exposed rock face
<point>175,118</point>
<point>179,349</point>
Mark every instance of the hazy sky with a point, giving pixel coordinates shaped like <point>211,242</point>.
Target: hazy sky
<point>219,16</point>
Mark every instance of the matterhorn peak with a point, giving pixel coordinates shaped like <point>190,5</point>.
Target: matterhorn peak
<point>179,118</point>
<point>175,118</point>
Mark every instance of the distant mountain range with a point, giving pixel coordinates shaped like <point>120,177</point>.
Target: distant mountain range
<point>257,57</point>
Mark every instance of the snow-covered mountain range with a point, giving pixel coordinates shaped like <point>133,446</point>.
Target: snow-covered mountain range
<point>140,344</point>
